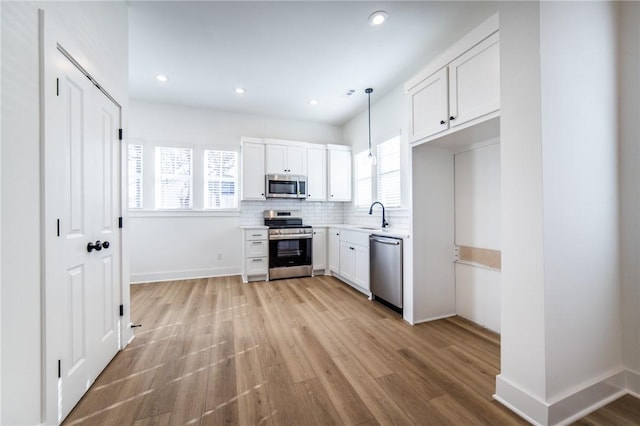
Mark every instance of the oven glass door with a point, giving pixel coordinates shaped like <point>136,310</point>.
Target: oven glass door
<point>295,252</point>
<point>283,187</point>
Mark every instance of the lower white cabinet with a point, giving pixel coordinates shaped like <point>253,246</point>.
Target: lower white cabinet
<point>352,257</point>
<point>334,250</point>
<point>255,255</point>
<point>319,250</point>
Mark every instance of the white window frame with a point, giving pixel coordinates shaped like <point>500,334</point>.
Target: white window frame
<point>159,178</point>
<point>209,178</point>
<point>389,160</point>
<point>363,181</point>
<point>133,176</point>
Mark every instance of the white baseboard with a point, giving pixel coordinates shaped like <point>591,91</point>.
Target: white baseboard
<point>633,383</point>
<point>433,318</point>
<point>182,275</point>
<point>564,410</point>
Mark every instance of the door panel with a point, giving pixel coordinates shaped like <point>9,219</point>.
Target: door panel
<point>87,201</point>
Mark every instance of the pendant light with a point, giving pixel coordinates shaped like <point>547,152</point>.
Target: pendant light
<point>371,157</point>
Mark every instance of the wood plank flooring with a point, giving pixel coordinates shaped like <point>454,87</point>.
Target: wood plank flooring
<point>308,351</point>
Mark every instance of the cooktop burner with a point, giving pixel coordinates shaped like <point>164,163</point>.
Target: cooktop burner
<point>278,219</point>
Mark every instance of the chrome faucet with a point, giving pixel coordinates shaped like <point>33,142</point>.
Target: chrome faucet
<point>384,221</point>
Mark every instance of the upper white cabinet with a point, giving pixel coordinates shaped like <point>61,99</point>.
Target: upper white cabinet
<point>429,109</point>
<point>286,159</point>
<point>252,169</point>
<point>474,82</point>
<point>460,88</point>
<point>339,173</point>
<point>317,173</point>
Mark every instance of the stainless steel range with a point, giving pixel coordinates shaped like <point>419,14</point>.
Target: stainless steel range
<point>290,244</point>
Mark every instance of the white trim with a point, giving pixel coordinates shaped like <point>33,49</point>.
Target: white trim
<point>481,32</point>
<point>152,277</point>
<point>433,318</point>
<point>633,383</point>
<point>564,410</point>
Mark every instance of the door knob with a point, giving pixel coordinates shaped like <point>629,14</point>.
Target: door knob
<point>452,118</point>
<point>442,121</point>
<point>97,246</point>
<point>106,245</point>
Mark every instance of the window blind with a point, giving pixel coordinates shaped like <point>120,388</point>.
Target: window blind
<point>221,179</point>
<point>135,176</point>
<point>363,180</point>
<point>174,177</point>
<point>388,173</point>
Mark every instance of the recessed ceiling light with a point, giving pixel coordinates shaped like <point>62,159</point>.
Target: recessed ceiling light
<point>313,102</point>
<point>162,78</point>
<point>240,90</point>
<point>378,18</point>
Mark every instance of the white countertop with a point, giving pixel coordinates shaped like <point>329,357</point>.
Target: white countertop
<point>388,232</point>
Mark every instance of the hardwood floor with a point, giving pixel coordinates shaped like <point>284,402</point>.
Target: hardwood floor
<point>308,351</point>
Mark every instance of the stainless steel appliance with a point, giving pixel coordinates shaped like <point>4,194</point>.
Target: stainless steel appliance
<point>290,244</point>
<point>385,267</point>
<point>286,186</point>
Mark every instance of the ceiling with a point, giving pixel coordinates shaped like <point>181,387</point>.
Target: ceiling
<point>287,53</point>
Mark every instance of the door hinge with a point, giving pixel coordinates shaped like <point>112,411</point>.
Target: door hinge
<point>58,226</point>
<point>57,87</point>
<point>120,134</point>
<point>121,310</point>
<point>120,222</point>
<point>59,369</point>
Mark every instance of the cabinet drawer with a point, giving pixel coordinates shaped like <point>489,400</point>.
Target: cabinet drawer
<point>257,265</point>
<point>257,248</point>
<point>354,237</point>
<point>255,234</point>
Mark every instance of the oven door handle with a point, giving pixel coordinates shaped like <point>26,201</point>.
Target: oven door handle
<point>291,237</point>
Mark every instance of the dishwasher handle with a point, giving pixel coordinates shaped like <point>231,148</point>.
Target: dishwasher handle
<point>390,241</point>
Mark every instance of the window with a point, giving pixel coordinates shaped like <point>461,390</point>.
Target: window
<point>221,179</point>
<point>174,179</point>
<point>388,172</point>
<point>363,179</point>
<point>135,176</point>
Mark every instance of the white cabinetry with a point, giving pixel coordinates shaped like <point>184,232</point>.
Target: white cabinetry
<point>317,173</point>
<point>339,173</point>
<point>352,251</point>
<point>319,249</point>
<point>334,250</point>
<point>255,255</point>
<point>464,91</point>
<point>286,159</point>
<point>253,184</point>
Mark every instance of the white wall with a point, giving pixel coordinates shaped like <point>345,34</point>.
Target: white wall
<point>477,224</point>
<point>561,330</point>
<point>166,245</point>
<point>101,29</point>
<point>629,122</point>
<point>581,200</point>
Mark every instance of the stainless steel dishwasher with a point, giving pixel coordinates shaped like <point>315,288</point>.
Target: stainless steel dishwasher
<point>385,267</point>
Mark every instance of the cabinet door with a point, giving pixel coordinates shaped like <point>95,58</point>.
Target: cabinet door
<point>319,248</point>
<point>253,184</point>
<point>334,250</point>
<point>276,159</point>
<point>316,174</point>
<point>339,175</point>
<point>429,107</point>
<point>361,267</point>
<point>296,160</point>
<point>347,261</point>
<point>474,82</point>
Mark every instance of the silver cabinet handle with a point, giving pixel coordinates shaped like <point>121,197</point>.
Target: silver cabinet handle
<point>256,260</point>
<point>255,243</point>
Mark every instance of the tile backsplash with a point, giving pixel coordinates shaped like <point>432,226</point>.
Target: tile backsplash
<point>313,212</point>
<point>323,213</point>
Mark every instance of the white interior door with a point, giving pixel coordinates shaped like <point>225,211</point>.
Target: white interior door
<point>85,283</point>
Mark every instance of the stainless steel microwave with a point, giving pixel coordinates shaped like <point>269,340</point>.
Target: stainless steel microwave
<point>286,186</point>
